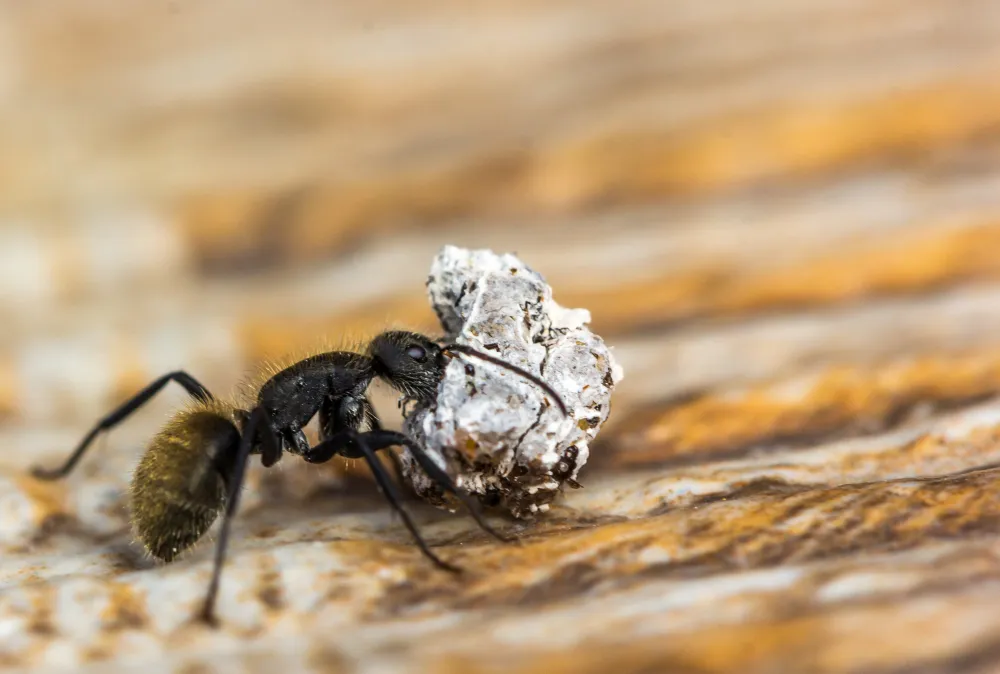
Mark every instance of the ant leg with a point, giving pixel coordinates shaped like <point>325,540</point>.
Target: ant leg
<point>388,489</point>
<point>259,419</point>
<point>336,415</point>
<point>296,441</point>
<point>343,413</point>
<point>354,445</point>
<point>382,439</point>
<point>397,469</point>
<point>375,424</point>
<point>271,450</point>
<point>190,384</point>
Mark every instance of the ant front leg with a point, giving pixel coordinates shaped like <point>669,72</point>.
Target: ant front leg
<point>347,412</point>
<point>354,413</point>
<point>352,444</point>
<point>375,424</point>
<point>190,384</point>
<point>383,438</point>
<point>295,441</point>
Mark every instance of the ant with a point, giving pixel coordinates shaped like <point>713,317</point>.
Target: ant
<point>193,469</point>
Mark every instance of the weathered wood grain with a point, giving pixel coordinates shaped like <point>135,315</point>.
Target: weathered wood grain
<point>785,217</point>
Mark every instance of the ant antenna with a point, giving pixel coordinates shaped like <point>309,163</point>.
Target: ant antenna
<point>468,351</point>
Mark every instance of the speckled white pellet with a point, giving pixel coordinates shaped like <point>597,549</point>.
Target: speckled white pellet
<point>493,430</point>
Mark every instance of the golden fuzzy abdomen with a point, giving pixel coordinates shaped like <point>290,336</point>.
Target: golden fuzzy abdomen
<point>178,488</point>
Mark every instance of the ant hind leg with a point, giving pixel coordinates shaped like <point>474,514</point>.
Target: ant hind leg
<point>190,384</point>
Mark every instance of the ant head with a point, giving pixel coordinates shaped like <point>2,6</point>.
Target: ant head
<point>414,364</point>
<point>409,362</point>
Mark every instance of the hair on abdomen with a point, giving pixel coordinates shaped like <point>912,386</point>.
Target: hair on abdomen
<point>178,488</point>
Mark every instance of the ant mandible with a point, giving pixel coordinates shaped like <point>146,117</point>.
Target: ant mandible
<point>193,469</point>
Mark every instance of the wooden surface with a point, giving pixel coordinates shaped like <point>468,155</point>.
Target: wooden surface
<point>785,216</point>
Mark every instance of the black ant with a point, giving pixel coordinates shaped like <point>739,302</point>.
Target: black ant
<point>193,469</point>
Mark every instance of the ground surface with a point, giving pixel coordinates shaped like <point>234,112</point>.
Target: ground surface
<point>785,216</point>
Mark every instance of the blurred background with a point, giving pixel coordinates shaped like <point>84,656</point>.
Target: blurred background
<point>198,185</point>
<point>741,192</point>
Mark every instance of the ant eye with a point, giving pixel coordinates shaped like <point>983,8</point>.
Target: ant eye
<point>417,353</point>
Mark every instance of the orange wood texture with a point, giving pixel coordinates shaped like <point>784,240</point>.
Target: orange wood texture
<point>784,216</point>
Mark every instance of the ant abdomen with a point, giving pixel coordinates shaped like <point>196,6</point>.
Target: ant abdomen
<point>179,487</point>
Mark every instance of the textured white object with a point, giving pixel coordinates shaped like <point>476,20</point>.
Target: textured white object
<point>498,434</point>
